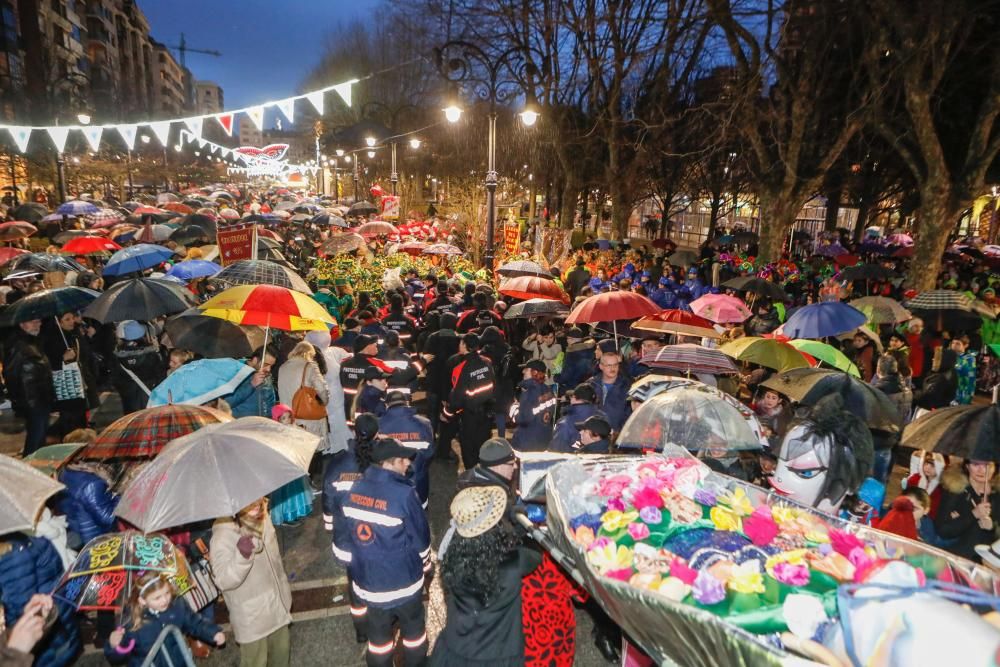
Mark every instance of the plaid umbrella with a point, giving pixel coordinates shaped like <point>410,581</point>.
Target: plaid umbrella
<point>143,434</point>
<point>139,299</point>
<point>688,358</point>
<point>808,385</point>
<point>42,262</point>
<point>881,310</point>
<point>940,299</point>
<point>16,229</point>
<point>677,322</point>
<point>260,272</point>
<point>756,285</point>
<point>23,492</point>
<point>523,267</point>
<point>105,217</point>
<point>48,303</point>
<point>532,287</point>
<point>968,431</point>
<point>720,308</point>
<point>536,308</point>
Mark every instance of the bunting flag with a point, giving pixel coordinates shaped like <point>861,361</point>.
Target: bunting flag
<point>202,142</point>
<point>287,108</point>
<point>344,90</point>
<point>317,100</point>
<point>195,125</point>
<point>92,134</point>
<point>256,114</point>
<point>128,133</point>
<point>58,135</point>
<point>20,136</point>
<point>162,131</point>
<point>226,121</point>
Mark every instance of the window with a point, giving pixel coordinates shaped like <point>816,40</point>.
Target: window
<point>75,33</point>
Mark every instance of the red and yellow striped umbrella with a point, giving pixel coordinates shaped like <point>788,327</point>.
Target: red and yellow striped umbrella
<point>269,306</point>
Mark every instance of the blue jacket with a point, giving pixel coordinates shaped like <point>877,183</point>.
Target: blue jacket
<point>178,614</point>
<point>346,340</point>
<point>533,417</point>
<point>578,365</point>
<point>32,565</point>
<point>386,542</point>
<point>565,433</point>
<point>341,472</point>
<point>251,401</point>
<point>664,297</point>
<point>371,399</point>
<point>88,504</point>
<point>414,432</point>
<point>697,288</point>
<point>614,403</point>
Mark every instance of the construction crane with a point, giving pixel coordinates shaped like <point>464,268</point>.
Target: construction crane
<point>183,48</point>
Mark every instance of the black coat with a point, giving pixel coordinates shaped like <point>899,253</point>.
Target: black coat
<point>955,520</point>
<point>145,363</point>
<point>27,374</point>
<point>55,345</point>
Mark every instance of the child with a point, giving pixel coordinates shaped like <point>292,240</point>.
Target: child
<point>925,473</point>
<point>177,359</point>
<point>769,410</point>
<point>292,501</point>
<point>152,607</point>
<point>906,515</point>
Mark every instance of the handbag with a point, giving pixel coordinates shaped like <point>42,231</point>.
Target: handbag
<point>68,382</point>
<point>305,402</point>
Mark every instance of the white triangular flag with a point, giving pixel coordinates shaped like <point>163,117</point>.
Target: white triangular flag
<point>344,90</point>
<point>162,131</point>
<point>128,133</point>
<point>256,114</point>
<point>195,124</point>
<point>20,136</point>
<point>215,148</point>
<point>287,108</point>
<point>92,133</point>
<point>226,152</point>
<point>59,135</point>
<point>317,100</point>
<point>202,142</point>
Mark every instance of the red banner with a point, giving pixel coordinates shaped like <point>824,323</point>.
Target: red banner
<point>390,207</point>
<point>237,243</point>
<point>511,237</point>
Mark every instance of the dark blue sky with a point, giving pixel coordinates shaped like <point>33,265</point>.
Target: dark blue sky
<point>268,46</point>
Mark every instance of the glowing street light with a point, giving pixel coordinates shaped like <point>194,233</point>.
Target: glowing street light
<point>453,113</point>
<point>370,141</point>
<point>414,143</point>
<point>83,118</point>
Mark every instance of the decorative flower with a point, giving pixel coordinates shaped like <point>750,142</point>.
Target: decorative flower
<point>616,504</point>
<point>600,543</point>
<point>673,588</point>
<point>612,487</point>
<point>760,526</point>
<point>680,570</point>
<point>705,496</point>
<point>584,535</point>
<point>682,510</point>
<point>614,520</point>
<point>737,501</point>
<point>651,515</point>
<point>724,519</point>
<point>783,513</point>
<point>638,531</point>
<point>610,557</point>
<point>747,578</point>
<point>708,590</point>
<point>843,542</point>
<point>645,580</point>
<point>647,497</point>
<point>791,574</point>
<point>622,574</point>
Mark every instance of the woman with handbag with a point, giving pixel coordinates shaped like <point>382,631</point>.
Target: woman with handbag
<point>302,386</point>
<point>73,374</point>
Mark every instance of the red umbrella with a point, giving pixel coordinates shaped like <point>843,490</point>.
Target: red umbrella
<point>533,287</point>
<point>7,254</point>
<point>677,322</point>
<point>611,307</point>
<point>178,207</point>
<point>847,259</point>
<point>87,245</point>
<point>412,247</point>
<point>149,210</point>
<point>663,243</point>
<point>269,234</point>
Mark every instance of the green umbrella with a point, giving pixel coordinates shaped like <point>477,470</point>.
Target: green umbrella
<point>828,354</point>
<point>50,460</point>
<point>995,347</point>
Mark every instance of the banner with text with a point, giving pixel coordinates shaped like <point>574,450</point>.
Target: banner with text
<point>237,243</point>
<point>390,207</point>
<point>511,237</point>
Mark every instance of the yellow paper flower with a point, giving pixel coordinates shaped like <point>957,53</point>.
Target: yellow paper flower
<point>782,513</point>
<point>746,578</point>
<point>794,557</point>
<point>614,520</point>
<point>725,519</point>
<point>737,501</point>
<point>817,534</point>
<point>610,557</point>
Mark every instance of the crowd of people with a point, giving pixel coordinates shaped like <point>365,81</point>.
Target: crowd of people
<point>404,375</point>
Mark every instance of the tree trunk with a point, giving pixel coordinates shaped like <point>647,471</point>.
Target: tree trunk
<point>937,216</point>
<point>567,202</point>
<point>832,208</point>
<point>777,215</point>
<point>713,217</point>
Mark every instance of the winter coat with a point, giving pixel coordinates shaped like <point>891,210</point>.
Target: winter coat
<point>532,416</point>
<point>762,324</point>
<point>370,399</point>
<point>578,365</point>
<point>30,565</point>
<point>954,519</point>
<point>178,614</point>
<point>864,359</point>
<point>290,378</point>
<point>88,503</point>
<point>251,401</point>
<point>547,354</point>
<point>335,415</point>
<point>490,634</point>
<point>614,403</point>
<point>144,362</point>
<point>565,433</point>
<point>442,344</point>
<point>472,385</point>
<point>27,374</point>
<point>413,432</point>
<point>404,369</point>
<point>939,386</point>
<point>255,589</point>
<point>897,392</point>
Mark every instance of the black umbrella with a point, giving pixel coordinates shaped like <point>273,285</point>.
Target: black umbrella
<point>968,431</point>
<point>41,262</point>
<point>808,385</point>
<point>867,272</point>
<point>329,219</point>
<point>952,319</point>
<point>191,234</point>
<point>206,222</point>
<point>48,303</point>
<point>756,285</point>
<point>536,308</point>
<point>30,212</point>
<point>139,299</point>
<point>362,208</point>
<point>744,237</point>
<point>213,337</point>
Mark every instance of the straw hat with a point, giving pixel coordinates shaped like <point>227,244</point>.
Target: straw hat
<point>477,509</point>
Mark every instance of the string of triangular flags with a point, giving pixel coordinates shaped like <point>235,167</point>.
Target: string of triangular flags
<point>21,134</point>
<point>232,154</point>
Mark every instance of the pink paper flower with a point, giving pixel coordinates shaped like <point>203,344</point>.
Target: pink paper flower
<point>612,487</point>
<point>844,543</point>
<point>638,531</point>
<point>680,569</point>
<point>647,497</point>
<point>791,574</point>
<point>623,574</point>
<point>760,526</point>
<point>616,504</point>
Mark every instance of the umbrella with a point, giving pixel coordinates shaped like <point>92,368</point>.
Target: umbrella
<point>756,285</point>
<point>808,385</point>
<point>151,210</point>
<point>190,234</point>
<point>261,272</point>
<point>105,217</point>
<point>940,299</point>
<point>139,299</point>
<point>720,308</point>
<point>612,306</point>
<point>523,267</point>
<point>30,211</point>
<point>900,239</point>
<point>827,354</point>
<point>688,358</point>
<point>50,460</point>
<point>167,197</point>
<point>77,207</point>
<point>190,269</point>
<point>216,472</point>
<point>442,249</point>
<point>199,382</point>
<point>341,243</point>
<point>157,232</point>
<point>377,228</point>
<point>211,337</point>
<point>23,491</point>
<point>683,258</point>
<point>968,431</point>
<point>142,434</point>
<point>867,333</point>
<point>229,214</point>
<point>329,219</point>
<point>532,287</point>
<point>881,309</point>
<point>48,303</point>
<point>677,322</point>
<point>904,252</point>
<point>831,250</point>
<point>268,306</point>
<point>7,253</point>
<point>819,320</point>
<point>41,262</point>
<point>16,229</point>
<point>536,308</point>
<point>65,237</point>
<point>103,575</point>
<point>178,207</point>
<point>90,245</point>
<point>412,247</point>
<point>867,272</point>
<point>137,258</point>
<point>767,352</point>
<point>298,218</point>
<point>362,208</point>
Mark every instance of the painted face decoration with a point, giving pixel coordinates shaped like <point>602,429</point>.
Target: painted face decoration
<point>803,469</point>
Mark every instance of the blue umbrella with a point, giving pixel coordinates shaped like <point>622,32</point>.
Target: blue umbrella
<point>193,268</point>
<point>820,320</point>
<point>137,258</point>
<point>199,382</point>
<point>77,207</point>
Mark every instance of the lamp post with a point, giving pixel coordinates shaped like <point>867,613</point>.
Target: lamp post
<point>495,79</point>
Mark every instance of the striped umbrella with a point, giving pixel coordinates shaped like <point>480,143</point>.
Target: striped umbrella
<point>881,309</point>
<point>269,306</point>
<point>105,217</point>
<point>677,321</point>
<point>144,433</point>
<point>260,272</point>
<point>689,358</point>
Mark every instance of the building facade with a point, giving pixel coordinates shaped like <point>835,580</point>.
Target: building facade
<point>169,90</point>
<point>208,97</point>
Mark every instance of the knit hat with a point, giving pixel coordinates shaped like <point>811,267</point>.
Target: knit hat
<point>278,410</point>
<point>496,451</point>
<point>477,509</point>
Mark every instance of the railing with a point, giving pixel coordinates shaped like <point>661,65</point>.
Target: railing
<point>158,648</point>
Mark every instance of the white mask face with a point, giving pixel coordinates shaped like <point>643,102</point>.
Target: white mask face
<point>802,469</point>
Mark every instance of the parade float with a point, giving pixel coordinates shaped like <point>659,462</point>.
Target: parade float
<point>702,569</point>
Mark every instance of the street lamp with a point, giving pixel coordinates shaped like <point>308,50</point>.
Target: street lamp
<point>499,79</point>
<point>414,143</point>
<point>370,141</point>
<point>83,118</point>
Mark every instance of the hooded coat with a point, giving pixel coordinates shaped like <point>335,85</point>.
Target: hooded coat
<point>955,520</point>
